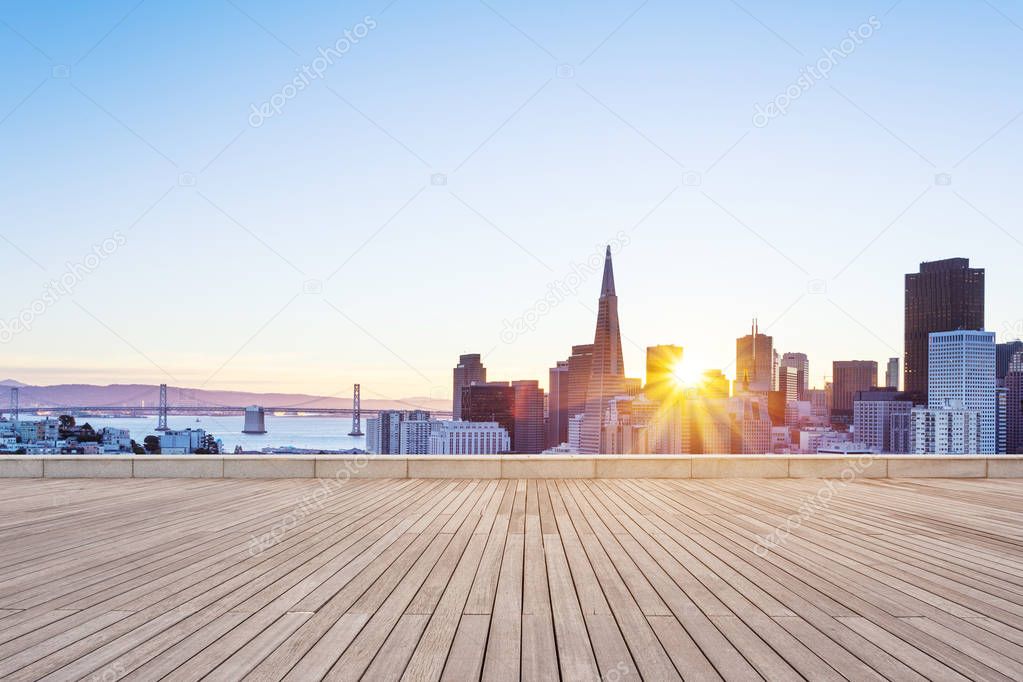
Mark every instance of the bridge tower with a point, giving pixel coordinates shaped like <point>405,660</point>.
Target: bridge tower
<point>14,403</point>
<point>356,413</point>
<point>161,424</point>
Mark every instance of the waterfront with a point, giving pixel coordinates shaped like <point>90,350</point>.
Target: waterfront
<point>312,433</point>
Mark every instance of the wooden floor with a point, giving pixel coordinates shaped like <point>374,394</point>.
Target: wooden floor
<point>533,580</point>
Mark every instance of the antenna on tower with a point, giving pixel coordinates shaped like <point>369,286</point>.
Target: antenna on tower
<point>14,403</point>
<point>161,421</point>
<point>356,413</point>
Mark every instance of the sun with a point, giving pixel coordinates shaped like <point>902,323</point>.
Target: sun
<point>680,374</point>
<point>685,375</point>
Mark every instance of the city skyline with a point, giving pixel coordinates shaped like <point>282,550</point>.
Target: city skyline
<point>139,153</point>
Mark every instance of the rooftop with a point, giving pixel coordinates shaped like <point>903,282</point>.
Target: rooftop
<point>621,578</point>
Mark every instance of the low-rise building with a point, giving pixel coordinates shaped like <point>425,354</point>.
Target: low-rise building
<point>117,439</point>
<point>183,442</point>
<point>468,438</point>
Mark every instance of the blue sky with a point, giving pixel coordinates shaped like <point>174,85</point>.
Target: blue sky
<point>319,248</point>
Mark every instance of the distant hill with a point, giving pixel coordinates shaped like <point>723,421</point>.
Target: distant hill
<point>135,395</point>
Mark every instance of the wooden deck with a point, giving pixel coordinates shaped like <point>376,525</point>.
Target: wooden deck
<point>531,579</point>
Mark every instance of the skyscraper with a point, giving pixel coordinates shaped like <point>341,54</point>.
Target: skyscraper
<point>1014,405</point>
<point>802,366</point>
<point>557,404</point>
<point>607,372</point>
<point>490,402</point>
<point>891,374</point>
<point>714,384</point>
<point>754,361</point>
<point>662,370</point>
<point>528,436</point>
<point>850,376</point>
<point>1001,420</point>
<point>468,370</point>
<point>788,383</point>
<point>1004,353</point>
<point>944,296</point>
<point>961,370</point>
<point>580,365</point>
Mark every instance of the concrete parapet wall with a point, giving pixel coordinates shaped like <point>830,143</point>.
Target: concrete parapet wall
<point>509,466</point>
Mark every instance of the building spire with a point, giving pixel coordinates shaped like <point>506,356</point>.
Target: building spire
<point>607,287</point>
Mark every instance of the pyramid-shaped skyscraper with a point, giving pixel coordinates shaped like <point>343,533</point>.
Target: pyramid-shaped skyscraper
<point>607,376</point>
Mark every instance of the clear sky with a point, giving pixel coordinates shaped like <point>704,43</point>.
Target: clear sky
<point>452,160</point>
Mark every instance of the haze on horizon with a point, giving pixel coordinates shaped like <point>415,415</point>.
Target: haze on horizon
<point>461,161</point>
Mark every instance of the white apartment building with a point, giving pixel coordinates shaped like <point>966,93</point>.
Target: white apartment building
<point>948,430</point>
<point>118,439</point>
<point>961,370</point>
<point>468,438</point>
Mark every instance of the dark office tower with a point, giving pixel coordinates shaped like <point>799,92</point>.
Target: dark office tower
<point>891,374</point>
<point>944,296</point>
<point>557,405</point>
<point>801,363</point>
<point>607,373</point>
<point>468,371</point>
<point>848,377</point>
<point>754,361</point>
<point>580,365</point>
<point>662,365</point>
<point>1003,354</point>
<point>528,412</point>
<point>1014,405</point>
<point>491,402</point>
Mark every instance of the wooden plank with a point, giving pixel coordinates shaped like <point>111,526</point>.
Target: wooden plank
<point>530,579</point>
